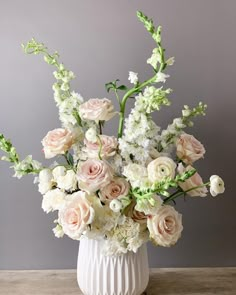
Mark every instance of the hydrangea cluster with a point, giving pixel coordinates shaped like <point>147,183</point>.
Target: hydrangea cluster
<point>119,189</point>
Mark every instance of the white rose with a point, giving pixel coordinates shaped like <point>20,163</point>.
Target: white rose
<point>161,168</point>
<point>217,185</point>
<point>45,181</point>
<point>133,77</point>
<point>67,182</point>
<point>53,200</point>
<point>166,226</point>
<point>58,171</point>
<point>115,205</point>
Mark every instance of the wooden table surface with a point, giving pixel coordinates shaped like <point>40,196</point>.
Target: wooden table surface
<point>175,281</point>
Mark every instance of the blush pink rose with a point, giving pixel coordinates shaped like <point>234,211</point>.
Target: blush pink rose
<point>165,227</point>
<point>136,215</point>
<point>96,109</point>
<point>109,146</point>
<point>116,188</point>
<point>191,182</point>
<point>57,142</point>
<point>76,215</point>
<point>189,149</point>
<point>94,175</point>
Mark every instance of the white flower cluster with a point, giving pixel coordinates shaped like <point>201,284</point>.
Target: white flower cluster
<point>138,144</point>
<point>117,189</point>
<point>26,166</point>
<point>127,236</point>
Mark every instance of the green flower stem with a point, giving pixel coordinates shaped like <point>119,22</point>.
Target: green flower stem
<point>124,101</point>
<point>179,193</point>
<point>100,148</point>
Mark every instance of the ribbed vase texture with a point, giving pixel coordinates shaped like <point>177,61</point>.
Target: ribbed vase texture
<point>97,274</point>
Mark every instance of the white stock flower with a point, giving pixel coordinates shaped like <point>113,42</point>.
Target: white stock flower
<point>53,200</point>
<point>155,58</point>
<point>91,135</point>
<point>58,171</point>
<point>217,185</point>
<point>115,205</point>
<point>136,174</point>
<point>58,231</point>
<point>67,182</point>
<point>170,61</point>
<point>45,181</point>
<point>161,77</point>
<point>133,77</point>
<point>161,168</point>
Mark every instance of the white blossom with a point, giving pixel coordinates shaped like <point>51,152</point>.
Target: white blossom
<point>53,200</point>
<point>133,77</point>
<point>161,77</point>
<point>115,205</point>
<point>91,135</point>
<point>216,185</point>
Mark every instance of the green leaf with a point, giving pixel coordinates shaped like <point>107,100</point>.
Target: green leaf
<point>122,87</point>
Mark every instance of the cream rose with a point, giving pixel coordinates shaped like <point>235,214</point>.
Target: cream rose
<point>160,169</point>
<point>166,226</point>
<point>189,149</point>
<point>109,146</point>
<point>76,215</point>
<point>57,142</point>
<point>116,188</point>
<point>192,182</point>
<point>93,175</point>
<point>96,109</point>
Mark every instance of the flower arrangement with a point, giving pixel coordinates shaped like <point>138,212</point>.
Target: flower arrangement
<point>119,189</point>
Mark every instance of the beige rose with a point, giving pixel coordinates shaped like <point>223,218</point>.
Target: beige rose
<point>137,216</point>
<point>166,226</point>
<point>109,146</point>
<point>96,109</point>
<point>116,188</point>
<point>57,142</point>
<point>76,215</point>
<point>191,182</point>
<point>93,175</point>
<point>189,149</point>
<point>161,168</point>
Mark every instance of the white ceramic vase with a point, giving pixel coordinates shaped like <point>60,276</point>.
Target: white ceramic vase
<point>126,274</point>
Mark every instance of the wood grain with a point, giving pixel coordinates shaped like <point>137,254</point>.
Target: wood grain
<point>175,281</point>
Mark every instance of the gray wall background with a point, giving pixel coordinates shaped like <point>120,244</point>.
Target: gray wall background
<point>101,41</point>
